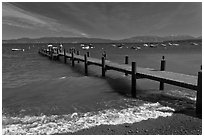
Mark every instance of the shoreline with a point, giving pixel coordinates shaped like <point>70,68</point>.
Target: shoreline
<point>177,124</point>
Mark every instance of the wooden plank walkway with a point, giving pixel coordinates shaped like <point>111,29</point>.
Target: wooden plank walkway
<point>177,79</point>
<point>182,80</point>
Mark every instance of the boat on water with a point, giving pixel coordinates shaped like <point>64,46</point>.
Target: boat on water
<point>153,46</point>
<point>194,44</point>
<point>87,46</point>
<point>17,49</point>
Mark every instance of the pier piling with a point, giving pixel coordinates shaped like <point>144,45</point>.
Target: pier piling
<point>199,94</point>
<point>50,53</point>
<point>133,91</point>
<point>78,54</point>
<point>104,55</point>
<point>70,51</point>
<point>74,50</point>
<point>65,59</point>
<point>163,65</point>
<point>103,66</point>
<point>57,57</point>
<point>126,62</point>
<point>51,57</point>
<point>72,58</point>
<point>85,65</point>
<point>88,54</point>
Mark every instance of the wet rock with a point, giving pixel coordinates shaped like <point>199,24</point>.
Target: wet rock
<point>127,126</point>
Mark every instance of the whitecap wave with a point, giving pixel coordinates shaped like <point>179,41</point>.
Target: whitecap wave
<point>183,93</point>
<point>55,124</point>
<point>62,77</point>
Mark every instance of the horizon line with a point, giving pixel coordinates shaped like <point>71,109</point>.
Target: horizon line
<point>101,38</point>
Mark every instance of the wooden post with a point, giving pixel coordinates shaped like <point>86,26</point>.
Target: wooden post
<point>86,65</point>
<point>49,51</point>
<point>69,52</point>
<point>199,94</point>
<point>163,66</point>
<point>51,54</point>
<point>126,62</point>
<point>72,59</point>
<point>65,59</point>
<point>57,57</point>
<point>103,67</point>
<point>88,54</point>
<point>104,55</point>
<point>78,54</point>
<point>133,91</point>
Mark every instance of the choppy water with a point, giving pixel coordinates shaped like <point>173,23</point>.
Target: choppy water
<point>41,96</point>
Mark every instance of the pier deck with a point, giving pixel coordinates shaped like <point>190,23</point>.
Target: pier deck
<point>177,79</point>
<point>182,80</point>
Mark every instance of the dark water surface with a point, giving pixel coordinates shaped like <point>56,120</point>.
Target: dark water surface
<point>52,97</point>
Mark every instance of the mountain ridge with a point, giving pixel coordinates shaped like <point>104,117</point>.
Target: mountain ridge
<point>136,39</point>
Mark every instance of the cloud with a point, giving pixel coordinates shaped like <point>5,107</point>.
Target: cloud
<point>105,20</point>
<point>17,17</point>
<point>8,10</point>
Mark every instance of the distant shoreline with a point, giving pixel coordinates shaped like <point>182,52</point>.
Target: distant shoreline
<point>139,39</point>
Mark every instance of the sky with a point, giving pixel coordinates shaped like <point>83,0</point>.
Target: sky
<point>116,20</point>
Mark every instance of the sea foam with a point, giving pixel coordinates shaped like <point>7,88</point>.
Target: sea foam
<point>56,124</point>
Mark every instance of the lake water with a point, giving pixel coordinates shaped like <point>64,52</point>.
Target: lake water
<point>40,96</point>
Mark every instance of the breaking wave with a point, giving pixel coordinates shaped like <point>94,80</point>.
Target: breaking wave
<point>58,124</point>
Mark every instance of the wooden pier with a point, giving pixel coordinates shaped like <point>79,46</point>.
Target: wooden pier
<point>177,79</point>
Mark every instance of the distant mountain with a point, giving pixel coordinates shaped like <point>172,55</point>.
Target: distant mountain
<point>59,40</point>
<point>137,39</point>
<point>142,39</point>
<point>178,37</point>
<point>156,38</point>
<point>200,37</point>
